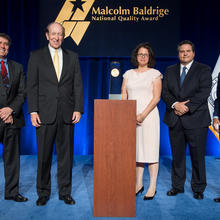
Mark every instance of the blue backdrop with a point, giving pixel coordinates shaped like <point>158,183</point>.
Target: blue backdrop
<point>199,23</point>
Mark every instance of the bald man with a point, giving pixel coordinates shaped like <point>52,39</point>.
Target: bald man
<point>55,103</point>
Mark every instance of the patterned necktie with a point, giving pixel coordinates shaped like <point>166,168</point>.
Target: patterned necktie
<point>56,63</point>
<point>4,74</point>
<point>183,75</point>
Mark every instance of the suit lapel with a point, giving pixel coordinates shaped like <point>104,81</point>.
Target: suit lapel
<point>11,73</point>
<point>49,63</point>
<point>65,57</point>
<point>2,84</point>
<point>177,75</point>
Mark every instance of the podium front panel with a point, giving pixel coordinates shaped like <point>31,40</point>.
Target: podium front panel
<point>114,158</point>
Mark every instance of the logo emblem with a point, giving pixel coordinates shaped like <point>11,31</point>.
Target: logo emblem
<point>72,17</point>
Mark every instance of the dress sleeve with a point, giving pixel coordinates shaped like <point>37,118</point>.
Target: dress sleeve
<point>126,75</point>
<point>157,74</point>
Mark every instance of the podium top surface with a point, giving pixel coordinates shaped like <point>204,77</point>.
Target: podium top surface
<point>113,100</point>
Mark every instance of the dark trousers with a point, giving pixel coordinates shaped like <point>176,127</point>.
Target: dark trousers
<point>46,135</point>
<point>196,139</point>
<point>10,138</point>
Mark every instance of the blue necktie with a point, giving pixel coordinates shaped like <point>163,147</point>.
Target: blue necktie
<point>183,75</point>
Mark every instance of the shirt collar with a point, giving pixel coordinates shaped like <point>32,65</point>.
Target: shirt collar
<point>187,66</point>
<point>5,60</point>
<point>52,50</point>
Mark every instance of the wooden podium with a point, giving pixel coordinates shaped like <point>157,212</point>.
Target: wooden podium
<point>114,158</point>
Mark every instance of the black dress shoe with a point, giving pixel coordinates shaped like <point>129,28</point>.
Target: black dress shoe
<point>67,199</point>
<point>217,199</point>
<point>198,195</point>
<point>150,197</point>
<point>17,198</point>
<point>174,192</point>
<point>42,200</point>
<point>140,190</point>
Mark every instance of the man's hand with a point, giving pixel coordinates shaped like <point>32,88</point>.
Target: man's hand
<point>5,113</point>
<point>216,124</point>
<point>76,117</point>
<point>35,120</point>
<point>180,108</point>
<point>177,113</point>
<point>9,120</point>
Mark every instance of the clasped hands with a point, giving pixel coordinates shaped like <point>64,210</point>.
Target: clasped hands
<point>36,122</point>
<point>180,108</point>
<point>6,115</point>
<point>140,118</point>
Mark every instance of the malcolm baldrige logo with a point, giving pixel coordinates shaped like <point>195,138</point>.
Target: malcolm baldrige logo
<point>72,17</point>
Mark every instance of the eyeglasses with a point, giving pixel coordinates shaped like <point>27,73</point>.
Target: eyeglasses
<point>143,55</point>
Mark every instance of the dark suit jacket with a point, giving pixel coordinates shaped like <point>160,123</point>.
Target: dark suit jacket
<point>14,96</point>
<point>217,100</point>
<point>196,88</point>
<point>44,92</point>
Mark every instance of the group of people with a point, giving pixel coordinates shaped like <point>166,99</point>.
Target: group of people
<point>55,103</point>
<point>185,88</point>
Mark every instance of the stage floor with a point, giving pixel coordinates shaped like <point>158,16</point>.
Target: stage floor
<point>180,207</point>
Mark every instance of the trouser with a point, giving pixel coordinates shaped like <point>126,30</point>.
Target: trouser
<point>196,139</point>
<point>46,135</point>
<point>10,138</point>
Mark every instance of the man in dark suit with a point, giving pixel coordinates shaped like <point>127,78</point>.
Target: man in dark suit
<point>55,102</point>
<point>12,89</point>
<point>186,87</point>
<point>216,116</point>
